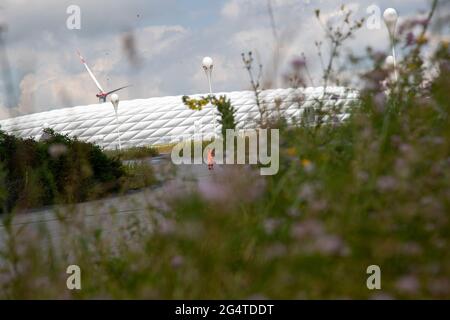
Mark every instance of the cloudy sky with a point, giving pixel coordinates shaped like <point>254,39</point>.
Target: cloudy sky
<point>168,40</point>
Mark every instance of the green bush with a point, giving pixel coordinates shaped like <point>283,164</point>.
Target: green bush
<point>134,153</point>
<point>227,114</point>
<point>226,110</point>
<point>57,169</point>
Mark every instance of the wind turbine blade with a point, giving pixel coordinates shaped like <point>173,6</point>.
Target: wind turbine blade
<point>90,72</point>
<point>115,90</point>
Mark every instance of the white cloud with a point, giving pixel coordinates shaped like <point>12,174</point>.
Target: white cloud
<point>47,71</point>
<point>231,10</point>
<point>157,39</point>
<point>253,38</point>
<point>57,79</point>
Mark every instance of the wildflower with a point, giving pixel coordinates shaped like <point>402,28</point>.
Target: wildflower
<point>374,80</point>
<point>386,183</point>
<point>406,149</point>
<point>291,151</point>
<point>257,296</point>
<point>439,287</point>
<point>305,162</point>
<point>275,250</point>
<point>307,165</point>
<point>298,63</point>
<point>362,176</point>
<point>307,228</point>
<point>306,192</point>
<point>424,22</point>
<point>330,245</point>
<point>293,212</point>
<point>173,189</point>
<point>401,167</point>
<point>437,140</point>
<point>232,185</point>
<point>213,190</point>
<point>408,284</point>
<point>270,225</point>
<point>410,39</point>
<point>379,56</point>
<point>422,40</point>
<point>177,261</point>
<point>319,205</point>
<point>257,188</point>
<point>411,249</point>
<point>381,296</point>
<point>166,226</point>
<point>380,101</point>
<point>56,150</point>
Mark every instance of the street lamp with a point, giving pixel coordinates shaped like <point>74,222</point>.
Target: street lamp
<point>390,17</point>
<point>208,67</point>
<point>115,103</point>
<point>389,62</point>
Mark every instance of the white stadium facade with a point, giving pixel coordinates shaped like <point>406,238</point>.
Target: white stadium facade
<point>164,120</point>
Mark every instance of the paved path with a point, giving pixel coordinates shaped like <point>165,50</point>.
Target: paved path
<point>108,213</point>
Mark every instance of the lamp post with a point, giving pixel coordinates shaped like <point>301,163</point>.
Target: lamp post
<point>208,67</point>
<point>115,103</point>
<point>390,17</point>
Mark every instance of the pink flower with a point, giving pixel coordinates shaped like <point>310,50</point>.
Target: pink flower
<point>275,251</point>
<point>307,228</point>
<point>410,39</point>
<point>298,63</point>
<point>232,185</point>
<point>270,225</point>
<point>330,245</point>
<point>386,183</point>
<point>212,190</point>
<point>57,149</point>
<point>408,284</point>
<point>177,261</point>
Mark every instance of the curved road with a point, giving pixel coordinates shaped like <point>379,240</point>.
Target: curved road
<point>109,213</point>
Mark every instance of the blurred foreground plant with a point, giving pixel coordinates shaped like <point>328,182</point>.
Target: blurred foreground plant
<point>371,190</point>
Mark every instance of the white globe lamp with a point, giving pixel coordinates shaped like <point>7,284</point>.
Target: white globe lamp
<point>390,17</point>
<point>208,65</point>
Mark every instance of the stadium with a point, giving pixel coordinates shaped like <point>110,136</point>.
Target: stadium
<point>162,120</point>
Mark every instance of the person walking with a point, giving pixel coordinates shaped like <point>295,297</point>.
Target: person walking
<point>211,155</point>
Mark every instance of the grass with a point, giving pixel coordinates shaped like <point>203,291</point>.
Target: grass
<point>347,197</point>
<point>137,176</point>
<point>134,153</point>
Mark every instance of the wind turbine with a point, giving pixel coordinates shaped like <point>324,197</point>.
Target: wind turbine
<point>102,94</point>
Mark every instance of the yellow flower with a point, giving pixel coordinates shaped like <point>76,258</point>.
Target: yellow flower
<point>306,162</point>
<point>422,39</point>
<point>291,151</point>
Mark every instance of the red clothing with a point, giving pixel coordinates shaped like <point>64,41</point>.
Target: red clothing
<point>210,160</point>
